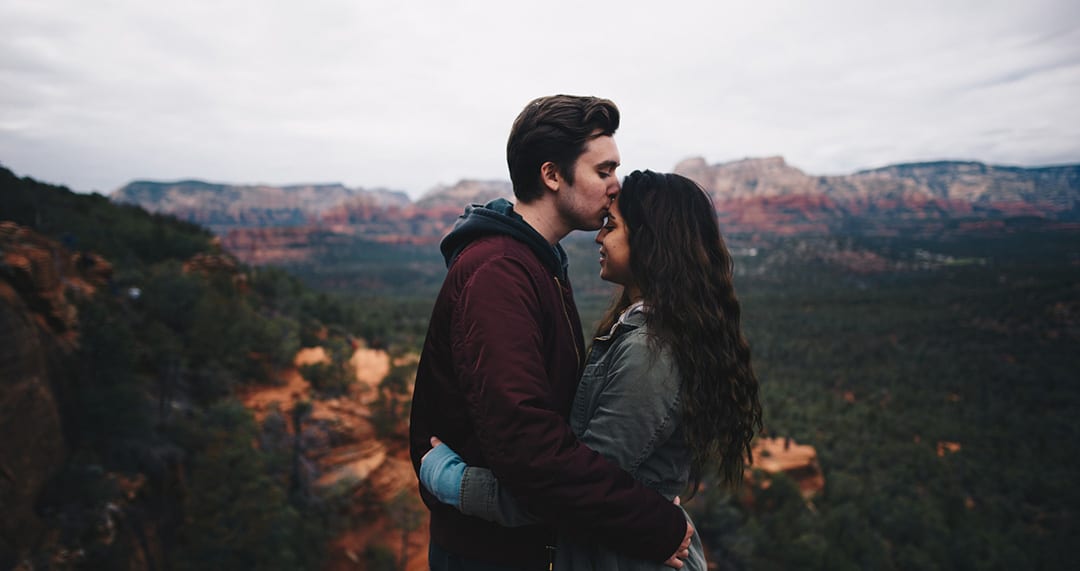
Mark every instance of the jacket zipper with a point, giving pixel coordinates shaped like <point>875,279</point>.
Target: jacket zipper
<point>569,322</point>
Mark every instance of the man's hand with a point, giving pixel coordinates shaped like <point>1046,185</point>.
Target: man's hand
<point>435,442</point>
<point>675,561</point>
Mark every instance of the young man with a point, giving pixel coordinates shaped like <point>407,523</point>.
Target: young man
<point>504,353</point>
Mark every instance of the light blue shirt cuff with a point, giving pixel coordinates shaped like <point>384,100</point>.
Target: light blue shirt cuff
<point>441,473</point>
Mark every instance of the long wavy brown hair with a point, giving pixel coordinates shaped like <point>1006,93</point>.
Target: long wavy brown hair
<point>684,271</point>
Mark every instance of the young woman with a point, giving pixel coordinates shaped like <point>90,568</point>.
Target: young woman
<point>668,391</point>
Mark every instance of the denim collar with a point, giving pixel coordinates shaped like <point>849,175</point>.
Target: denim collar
<point>633,316</point>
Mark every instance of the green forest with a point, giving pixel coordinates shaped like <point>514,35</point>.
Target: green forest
<point>151,394</point>
<point>970,340</point>
<point>982,355</point>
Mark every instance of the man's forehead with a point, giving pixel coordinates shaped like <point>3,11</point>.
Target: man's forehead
<point>602,149</point>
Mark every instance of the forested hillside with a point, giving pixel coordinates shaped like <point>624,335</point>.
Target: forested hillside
<point>939,398</point>
<point>125,443</point>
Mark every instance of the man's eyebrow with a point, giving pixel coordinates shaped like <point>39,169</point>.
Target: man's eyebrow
<point>608,165</point>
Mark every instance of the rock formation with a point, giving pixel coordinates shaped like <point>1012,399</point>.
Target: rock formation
<point>39,281</point>
<point>346,456</point>
<point>796,461</point>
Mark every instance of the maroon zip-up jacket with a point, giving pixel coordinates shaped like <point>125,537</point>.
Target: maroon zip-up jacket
<point>496,378</point>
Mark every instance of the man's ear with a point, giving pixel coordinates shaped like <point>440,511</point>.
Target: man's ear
<point>549,172</point>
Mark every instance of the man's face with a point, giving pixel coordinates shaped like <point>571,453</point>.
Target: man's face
<point>584,204</point>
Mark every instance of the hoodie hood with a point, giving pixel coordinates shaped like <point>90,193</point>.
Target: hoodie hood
<point>498,218</point>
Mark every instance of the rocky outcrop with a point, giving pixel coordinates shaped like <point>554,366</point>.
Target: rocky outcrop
<point>218,264</point>
<point>39,281</point>
<point>799,462</point>
<point>46,275</point>
<point>32,448</point>
<point>345,456</point>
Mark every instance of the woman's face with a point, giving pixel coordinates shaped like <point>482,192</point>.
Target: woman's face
<point>614,243</point>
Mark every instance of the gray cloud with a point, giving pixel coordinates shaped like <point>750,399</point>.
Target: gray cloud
<point>410,95</point>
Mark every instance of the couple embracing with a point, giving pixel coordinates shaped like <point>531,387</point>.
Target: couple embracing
<point>551,457</point>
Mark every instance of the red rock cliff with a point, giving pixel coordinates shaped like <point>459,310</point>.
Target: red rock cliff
<point>38,332</point>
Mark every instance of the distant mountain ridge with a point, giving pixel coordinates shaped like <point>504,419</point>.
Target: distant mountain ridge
<point>466,192</point>
<point>753,197</point>
<point>222,206</point>
<point>769,196</point>
<point>948,180</point>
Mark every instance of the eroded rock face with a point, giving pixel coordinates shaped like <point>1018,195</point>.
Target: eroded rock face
<point>45,276</point>
<point>32,446</point>
<point>38,330</point>
<point>222,264</point>
<point>342,453</point>
<point>797,461</point>
<point>338,436</point>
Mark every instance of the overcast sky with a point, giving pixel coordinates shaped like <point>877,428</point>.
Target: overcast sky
<point>408,95</point>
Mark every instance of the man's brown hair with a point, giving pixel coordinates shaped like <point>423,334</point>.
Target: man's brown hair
<point>555,128</point>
